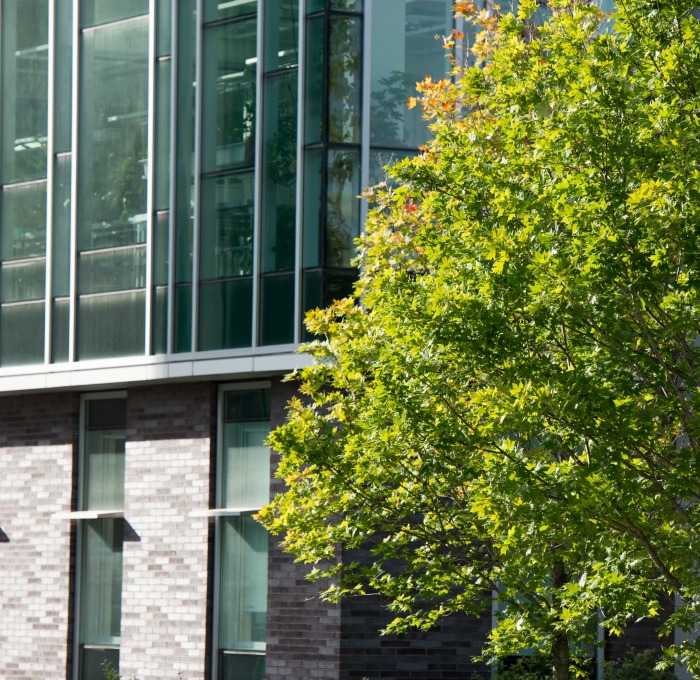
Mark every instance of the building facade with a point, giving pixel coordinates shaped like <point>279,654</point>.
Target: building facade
<point>179,183</point>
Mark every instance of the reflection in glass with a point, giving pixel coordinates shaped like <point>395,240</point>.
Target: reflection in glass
<point>404,51</point>
<point>228,9</point>
<point>315,52</point>
<point>63,90</point>
<point>313,183</point>
<point>162,152</point>
<point>343,215</point>
<point>344,80</point>
<point>228,140</point>
<point>101,581</point>
<point>113,135</point>
<point>281,35</point>
<point>103,486</point>
<point>227,226</point>
<point>243,584</point>
<point>279,176</point>
<point>245,470</point>
<point>24,96</point>
<point>94,12</point>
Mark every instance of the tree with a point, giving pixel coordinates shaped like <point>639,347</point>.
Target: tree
<point>508,403</point>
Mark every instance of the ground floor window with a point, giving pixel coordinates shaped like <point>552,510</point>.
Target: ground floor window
<point>243,483</point>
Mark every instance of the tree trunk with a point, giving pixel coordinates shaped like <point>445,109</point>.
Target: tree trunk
<point>560,656</point>
<point>560,641</point>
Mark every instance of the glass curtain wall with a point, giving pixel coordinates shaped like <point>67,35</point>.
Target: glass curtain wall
<point>101,540</point>
<point>229,109</point>
<point>23,175</point>
<point>243,487</point>
<point>333,102</point>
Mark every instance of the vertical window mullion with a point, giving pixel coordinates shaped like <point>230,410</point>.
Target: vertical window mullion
<point>197,174</point>
<point>175,66</point>
<point>257,196</point>
<point>50,183</point>
<point>301,127</point>
<point>366,98</point>
<point>150,182</point>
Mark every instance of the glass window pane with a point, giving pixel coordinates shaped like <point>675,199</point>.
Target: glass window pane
<point>162,188</point>
<point>160,320</point>
<point>23,281</point>
<point>228,133</point>
<point>279,175</point>
<point>113,135</point>
<point>111,325</point>
<point>22,334</point>
<point>227,226</point>
<point>347,5</point>
<point>104,270</point>
<point>94,12</point>
<point>61,226</point>
<point>63,90</point>
<point>165,25</point>
<point>104,469</point>
<point>247,405</point>
<point>313,182</point>
<point>281,35</point>
<point>344,80</point>
<point>277,309</point>
<point>23,222</point>
<point>343,211</point>
<point>225,9</point>
<point>242,666</point>
<point>225,314</point>
<point>245,470</point>
<point>404,51</point>
<point>59,330</point>
<point>24,94</point>
<point>184,166</point>
<point>160,248</point>
<point>314,94</point>
<point>243,584</point>
<point>92,661</point>
<point>183,319</point>
<point>101,581</point>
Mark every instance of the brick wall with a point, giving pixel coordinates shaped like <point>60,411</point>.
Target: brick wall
<point>165,592</point>
<point>302,631</point>
<point>37,445</point>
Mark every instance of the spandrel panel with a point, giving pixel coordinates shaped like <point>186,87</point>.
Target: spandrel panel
<point>22,281</point>
<point>111,325</point>
<point>100,271</point>
<point>23,219</point>
<point>22,334</point>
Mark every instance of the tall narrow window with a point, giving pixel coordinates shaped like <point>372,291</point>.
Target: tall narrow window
<point>243,487</point>
<point>101,533</point>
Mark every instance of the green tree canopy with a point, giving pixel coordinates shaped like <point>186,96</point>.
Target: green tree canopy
<point>509,402</point>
